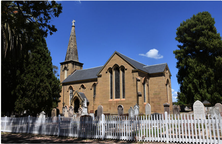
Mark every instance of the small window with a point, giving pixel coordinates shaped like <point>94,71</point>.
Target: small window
<point>144,91</point>
<point>111,84</point>
<point>94,90</point>
<point>71,95</point>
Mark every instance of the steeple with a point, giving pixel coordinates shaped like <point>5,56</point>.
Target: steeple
<point>72,53</point>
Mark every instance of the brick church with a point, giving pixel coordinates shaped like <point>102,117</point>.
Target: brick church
<point>120,82</point>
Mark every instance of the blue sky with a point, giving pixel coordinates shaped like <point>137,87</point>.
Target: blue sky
<point>144,31</point>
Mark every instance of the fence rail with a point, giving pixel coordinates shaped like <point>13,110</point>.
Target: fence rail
<point>166,128</point>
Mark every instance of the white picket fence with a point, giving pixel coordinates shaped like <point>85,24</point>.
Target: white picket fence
<point>168,128</point>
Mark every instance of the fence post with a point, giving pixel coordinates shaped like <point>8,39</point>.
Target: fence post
<point>5,122</point>
<point>28,123</point>
<point>103,127</point>
<point>166,124</point>
<point>58,126</point>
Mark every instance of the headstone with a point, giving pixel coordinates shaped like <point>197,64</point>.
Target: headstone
<point>167,108</point>
<point>219,105</point>
<point>148,109</point>
<point>42,114</point>
<point>99,111</point>
<point>136,110</point>
<point>214,112</point>
<point>186,108</point>
<point>84,107</point>
<point>198,109</point>
<point>120,110</point>
<point>131,112</point>
<point>176,109</point>
<point>71,111</point>
<point>66,112</point>
<point>53,113</point>
<point>80,111</point>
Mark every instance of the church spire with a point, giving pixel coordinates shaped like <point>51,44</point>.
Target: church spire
<point>72,53</point>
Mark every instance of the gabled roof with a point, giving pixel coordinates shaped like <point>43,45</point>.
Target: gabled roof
<point>155,68</point>
<point>133,63</point>
<point>83,74</point>
<point>83,96</point>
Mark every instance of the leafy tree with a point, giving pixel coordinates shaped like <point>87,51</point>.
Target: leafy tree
<point>38,88</point>
<point>199,60</point>
<point>55,70</point>
<point>22,24</point>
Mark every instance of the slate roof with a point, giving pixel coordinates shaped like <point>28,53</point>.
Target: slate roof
<point>135,64</point>
<point>83,96</point>
<point>84,74</point>
<point>87,74</point>
<point>155,68</point>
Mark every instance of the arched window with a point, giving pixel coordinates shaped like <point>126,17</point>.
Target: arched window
<point>144,91</point>
<point>117,83</point>
<point>123,82</point>
<point>111,83</point>
<point>94,90</point>
<point>167,90</point>
<point>70,95</point>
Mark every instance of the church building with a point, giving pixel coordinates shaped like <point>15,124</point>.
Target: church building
<point>120,82</point>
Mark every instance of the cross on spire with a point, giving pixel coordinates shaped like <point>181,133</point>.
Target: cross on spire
<point>73,23</point>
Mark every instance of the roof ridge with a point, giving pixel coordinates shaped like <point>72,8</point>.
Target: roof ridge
<point>130,58</point>
<point>89,68</point>
<point>154,65</point>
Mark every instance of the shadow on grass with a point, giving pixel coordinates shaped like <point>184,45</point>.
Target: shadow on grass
<point>34,138</point>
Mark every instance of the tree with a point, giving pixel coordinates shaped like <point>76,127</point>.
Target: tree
<point>55,70</point>
<point>38,88</point>
<point>199,60</point>
<point>22,24</point>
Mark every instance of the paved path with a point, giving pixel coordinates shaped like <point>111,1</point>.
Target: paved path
<point>32,138</point>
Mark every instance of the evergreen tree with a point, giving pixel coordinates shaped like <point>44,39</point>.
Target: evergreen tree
<point>38,88</point>
<point>21,22</point>
<point>199,60</point>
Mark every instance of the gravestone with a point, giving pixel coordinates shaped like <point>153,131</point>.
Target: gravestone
<point>53,113</point>
<point>79,111</point>
<point>71,111</point>
<point>198,109</point>
<point>66,112</point>
<point>148,109</point>
<point>84,107</point>
<point>214,112</point>
<point>187,109</point>
<point>99,111</point>
<point>120,110</point>
<point>42,114</point>
<point>219,105</point>
<point>131,112</point>
<point>176,109</point>
<point>167,108</point>
<point>136,110</point>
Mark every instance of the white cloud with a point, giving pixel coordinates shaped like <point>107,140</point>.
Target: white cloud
<point>153,53</point>
<point>174,94</point>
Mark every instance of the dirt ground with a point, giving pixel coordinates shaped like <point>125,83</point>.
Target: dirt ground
<point>33,138</point>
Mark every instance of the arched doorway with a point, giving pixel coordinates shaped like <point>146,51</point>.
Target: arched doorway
<point>76,105</point>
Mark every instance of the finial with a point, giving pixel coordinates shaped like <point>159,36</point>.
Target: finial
<point>73,23</point>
